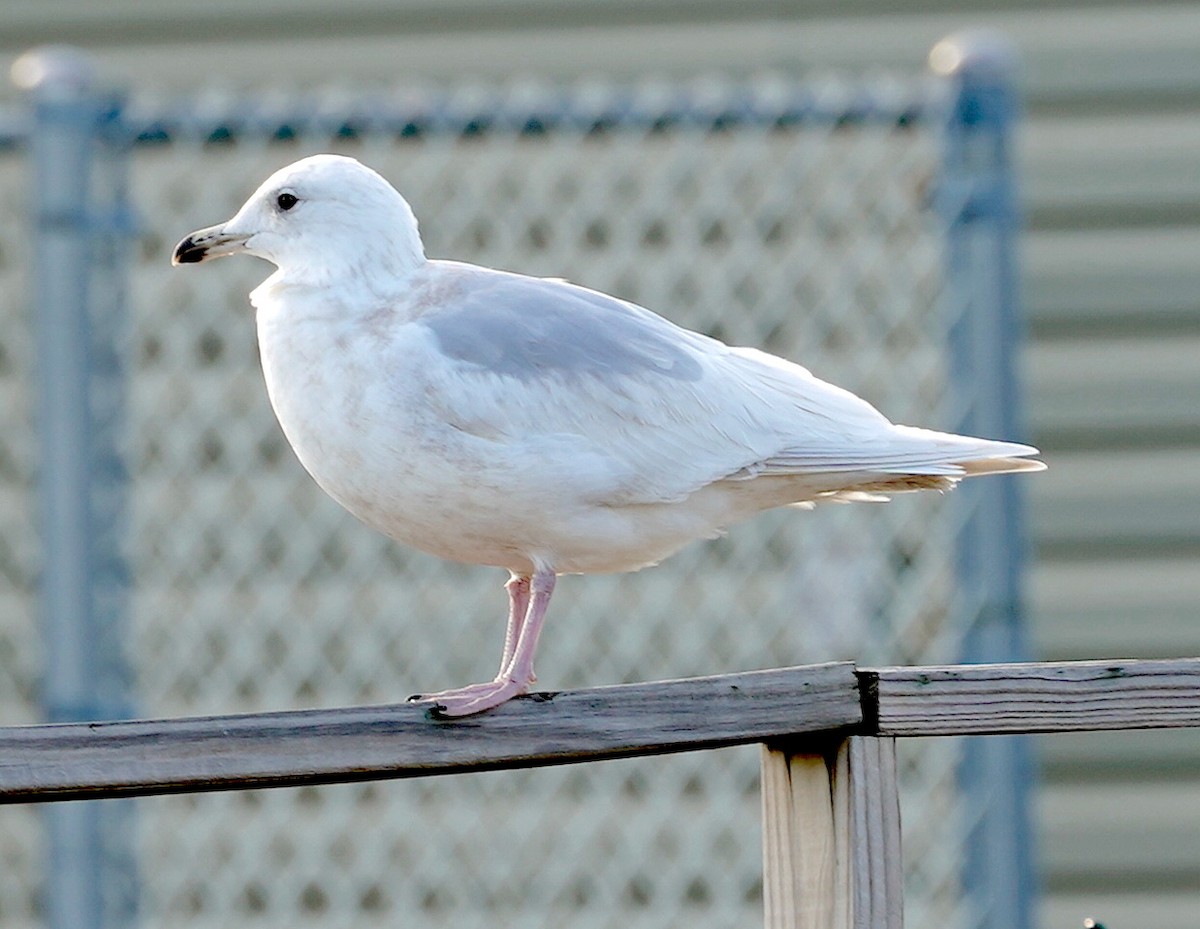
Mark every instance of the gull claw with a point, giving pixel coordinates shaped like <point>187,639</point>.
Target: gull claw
<point>472,699</point>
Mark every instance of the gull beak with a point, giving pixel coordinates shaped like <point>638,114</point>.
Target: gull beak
<point>203,244</point>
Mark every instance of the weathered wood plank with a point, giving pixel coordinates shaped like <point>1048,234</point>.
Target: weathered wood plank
<point>831,835</point>
<point>88,760</point>
<point>280,749</point>
<point>1036,697</point>
<point>877,872</point>
<point>800,844</point>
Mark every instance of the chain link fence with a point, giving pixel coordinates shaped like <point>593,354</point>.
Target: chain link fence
<point>21,655</point>
<point>786,214</point>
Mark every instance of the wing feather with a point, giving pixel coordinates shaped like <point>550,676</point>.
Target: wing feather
<point>653,411</point>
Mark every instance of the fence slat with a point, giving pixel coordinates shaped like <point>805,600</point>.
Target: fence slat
<point>1067,696</point>
<point>800,842</point>
<point>104,759</point>
<point>831,835</point>
<point>876,873</point>
<point>86,760</point>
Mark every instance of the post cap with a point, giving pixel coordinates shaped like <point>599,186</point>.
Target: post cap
<point>982,52</point>
<point>55,71</point>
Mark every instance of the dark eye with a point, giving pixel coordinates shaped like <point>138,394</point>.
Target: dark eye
<point>286,201</point>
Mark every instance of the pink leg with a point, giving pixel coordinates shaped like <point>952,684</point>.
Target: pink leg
<point>520,665</point>
<point>520,645</point>
<point>518,606</point>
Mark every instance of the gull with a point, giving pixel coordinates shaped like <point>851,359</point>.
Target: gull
<point>532,424</point>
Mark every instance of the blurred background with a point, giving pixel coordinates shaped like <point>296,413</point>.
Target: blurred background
<point>252,592</point>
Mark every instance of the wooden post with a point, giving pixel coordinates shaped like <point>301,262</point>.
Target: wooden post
<point>831,836</point>
<point>873,836</point>
<point>798,840</point>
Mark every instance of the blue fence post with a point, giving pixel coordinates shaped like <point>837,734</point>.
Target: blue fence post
<point>978,202</point>
<point>78,206</point>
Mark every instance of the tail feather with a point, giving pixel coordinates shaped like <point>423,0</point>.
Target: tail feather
<point>881,486</point>
<point>906,450</point>
<point>1000,465</point>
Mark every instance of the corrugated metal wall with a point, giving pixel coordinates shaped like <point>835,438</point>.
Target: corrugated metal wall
<point>1111,156</point>
<point>1112,261</point>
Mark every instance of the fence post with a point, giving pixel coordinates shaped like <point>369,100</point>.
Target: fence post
<point>977,198</point>
<point>831,836</point>
<point>78,205</point>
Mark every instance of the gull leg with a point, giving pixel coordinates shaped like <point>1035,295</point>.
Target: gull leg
<point>528,600</point>
<point>520,665</point>
<point>518,606</point>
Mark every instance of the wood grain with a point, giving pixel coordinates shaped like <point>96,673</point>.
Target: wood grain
<point>817,844</point>
<point>799,840</point>
<point>85,760</point>
<point>1068,696</point>
<point>831,835</point>
<point>88,760</point>
<point>781,893</point>
<point>876,875</point>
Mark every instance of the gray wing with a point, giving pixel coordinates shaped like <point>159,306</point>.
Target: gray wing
<point>651,410</point>
<point>526,328</point>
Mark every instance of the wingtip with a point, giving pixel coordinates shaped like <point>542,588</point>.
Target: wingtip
<point>1004,465</point>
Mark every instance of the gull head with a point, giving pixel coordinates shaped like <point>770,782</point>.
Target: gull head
<point>317,220</point>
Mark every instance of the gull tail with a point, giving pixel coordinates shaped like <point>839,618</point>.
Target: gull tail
<point>905,451</point>
<point>938,461</point>
<point>904,459</point>
<point>977,466</point>
<point>943,453</point>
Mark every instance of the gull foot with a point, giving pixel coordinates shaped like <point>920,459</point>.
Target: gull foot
<point>474,698</point>
<point>453,692</point>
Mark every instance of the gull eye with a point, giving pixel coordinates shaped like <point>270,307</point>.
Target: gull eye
<point>285,201</point>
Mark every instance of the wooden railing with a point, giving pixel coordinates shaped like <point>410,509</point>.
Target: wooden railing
<point>831,820</point>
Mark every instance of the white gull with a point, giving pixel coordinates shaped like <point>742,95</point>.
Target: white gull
<point>531,424</point>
